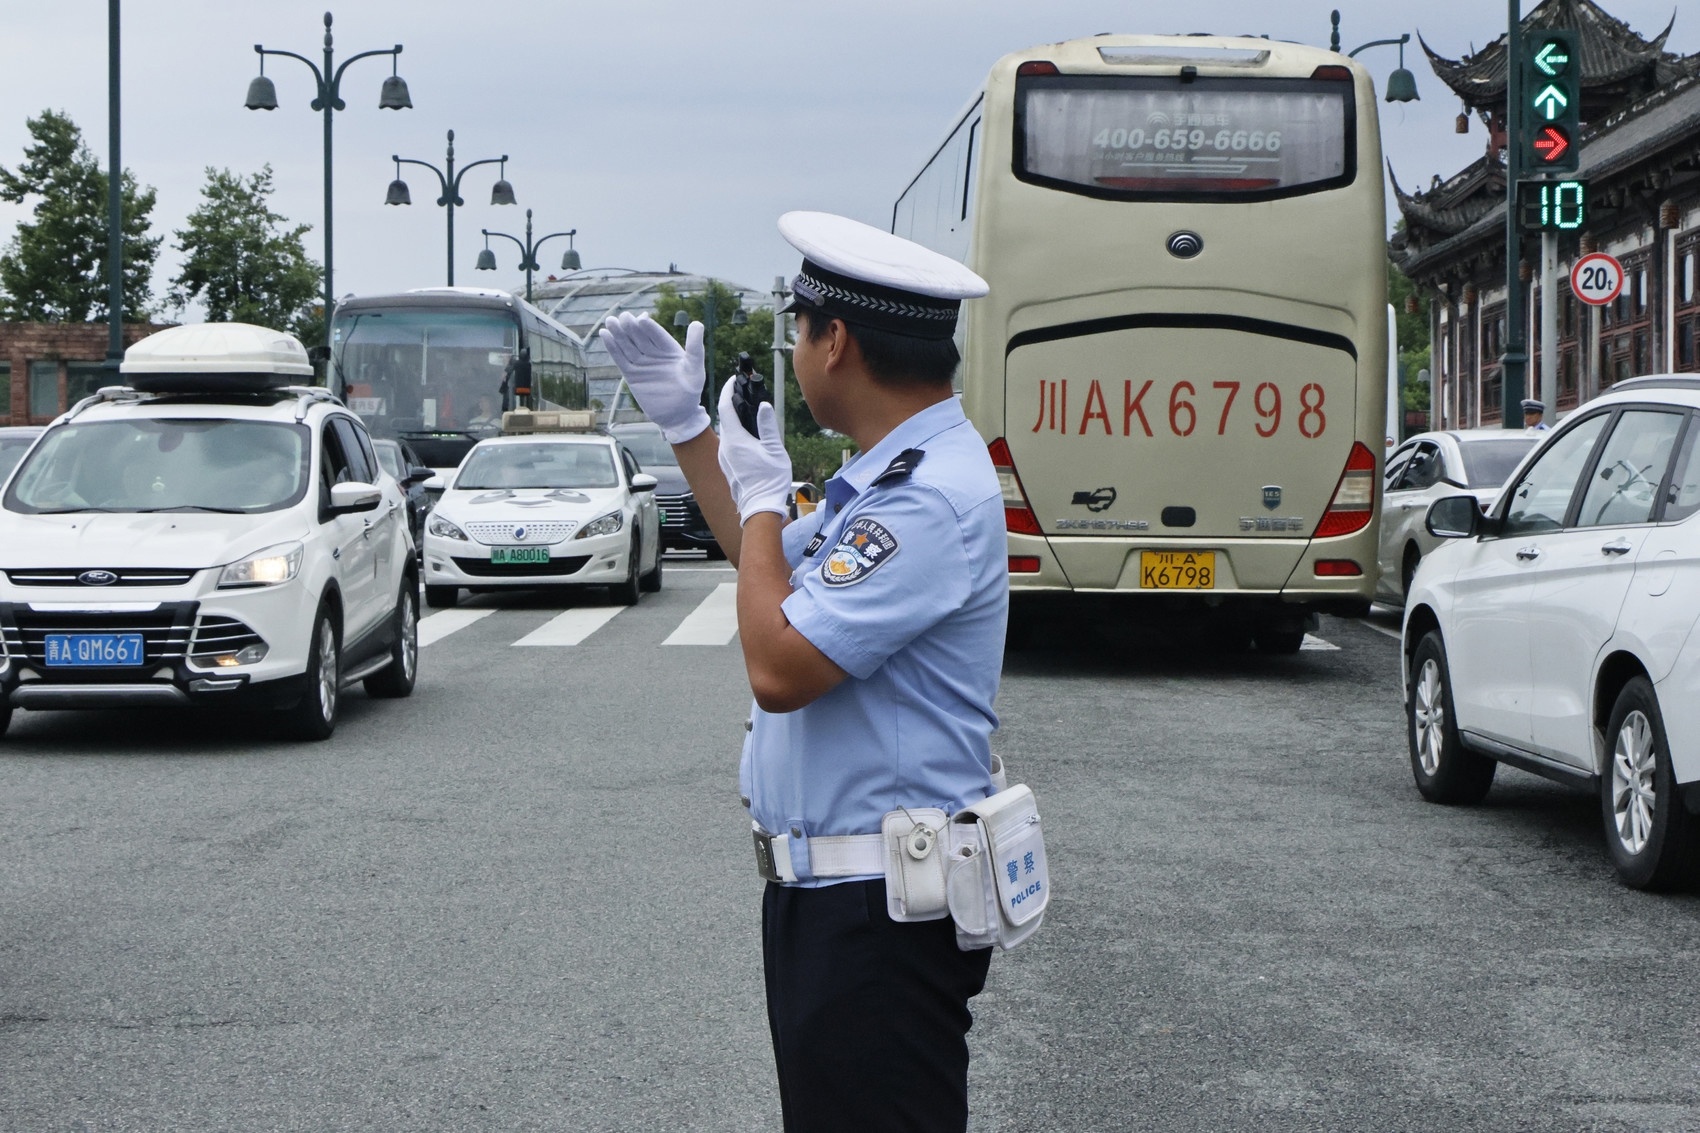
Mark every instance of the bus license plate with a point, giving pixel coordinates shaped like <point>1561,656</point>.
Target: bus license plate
<point>1177,570</point>
<point>515,555</point>
<point>76,649</point>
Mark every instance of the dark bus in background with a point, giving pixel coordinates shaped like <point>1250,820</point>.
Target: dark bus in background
<point>437,367</point>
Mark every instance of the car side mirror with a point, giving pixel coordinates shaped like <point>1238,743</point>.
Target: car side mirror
<point>354,497</point>
<point>318,355</point>
<point>416,474</point>
<point>644,482</point>
<point>1454,517</point>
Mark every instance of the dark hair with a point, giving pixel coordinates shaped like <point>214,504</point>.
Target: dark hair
<point>894,359</point>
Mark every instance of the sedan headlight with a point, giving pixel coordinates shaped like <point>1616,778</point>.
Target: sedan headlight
<point>263,568</point>
<point>608,525</point>
<point>443,529</point>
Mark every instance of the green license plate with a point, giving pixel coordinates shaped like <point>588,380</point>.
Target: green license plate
<point>513,555</point>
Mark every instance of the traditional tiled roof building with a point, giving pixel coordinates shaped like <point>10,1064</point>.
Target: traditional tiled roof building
<point>1640,156</point>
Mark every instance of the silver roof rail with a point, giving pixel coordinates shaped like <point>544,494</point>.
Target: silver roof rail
<point>101,396</point>
<point>308,396</point>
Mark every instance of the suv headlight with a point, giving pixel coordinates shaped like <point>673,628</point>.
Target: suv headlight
<point>607,525</point>
<point>443,529</point>
<point>263,568</point>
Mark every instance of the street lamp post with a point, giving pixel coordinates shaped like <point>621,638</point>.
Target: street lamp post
<point>1401,84</point>
<point>262,95</point>
<point>710,320</point>
<point>501,193</point>
<point>114,204</point>
<point>528,252</point>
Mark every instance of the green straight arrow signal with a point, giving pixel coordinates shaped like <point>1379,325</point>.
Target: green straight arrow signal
<point>1551,58</point>
<point>1551,102</point>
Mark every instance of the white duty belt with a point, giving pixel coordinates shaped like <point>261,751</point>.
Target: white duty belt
<point>845,855</point>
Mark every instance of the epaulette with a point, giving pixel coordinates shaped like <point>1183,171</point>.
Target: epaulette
<point>901,466</point>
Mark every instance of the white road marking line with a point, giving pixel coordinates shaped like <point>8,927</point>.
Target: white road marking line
<point>713,622</point>
<point>1393,633</point>
<point>571,627</point>
<point>435,627</point>
<point>1317,643</point>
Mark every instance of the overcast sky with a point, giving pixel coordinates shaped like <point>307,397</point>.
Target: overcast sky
<point>665,132</point>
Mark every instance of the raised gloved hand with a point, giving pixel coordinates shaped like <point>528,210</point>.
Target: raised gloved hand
<point>666,379</point>
<point>757,469</point>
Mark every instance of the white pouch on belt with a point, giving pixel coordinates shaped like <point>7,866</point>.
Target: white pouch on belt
<point>916,857</point>
<point>999,883</point>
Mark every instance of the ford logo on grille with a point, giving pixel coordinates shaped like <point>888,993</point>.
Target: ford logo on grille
<point>519,533</point>
<point>97,578</point>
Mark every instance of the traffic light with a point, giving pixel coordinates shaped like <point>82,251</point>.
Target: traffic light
<point>1552,206</point>
<point>1552,102</point>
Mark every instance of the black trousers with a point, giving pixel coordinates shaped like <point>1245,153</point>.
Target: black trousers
<point>869,1017</point>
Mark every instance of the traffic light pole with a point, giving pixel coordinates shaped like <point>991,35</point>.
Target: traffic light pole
<point>1515,361</point>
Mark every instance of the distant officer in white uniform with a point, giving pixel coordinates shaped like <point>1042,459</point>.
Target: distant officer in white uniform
<point>873,635</point>
<point>1534,416</point>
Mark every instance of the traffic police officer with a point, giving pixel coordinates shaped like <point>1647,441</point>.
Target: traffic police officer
<point>1534,413</point>
<point>873,634</point>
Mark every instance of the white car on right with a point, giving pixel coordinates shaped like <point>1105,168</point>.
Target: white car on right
<point>1422,470</point>
<point>1555,633</point>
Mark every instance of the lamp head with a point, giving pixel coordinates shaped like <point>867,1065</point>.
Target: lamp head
<point>502,193</point>
<point>1401,86</point>
<point>681,318</point>
<point>398,194</point>
<point>486,261</point>
<point>570,261</point>
<point>394,95</point>
<point>262,95</point>
<point>740,317</point>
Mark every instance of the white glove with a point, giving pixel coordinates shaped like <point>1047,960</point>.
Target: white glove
<point>667,380</point>
<point>758,470</point>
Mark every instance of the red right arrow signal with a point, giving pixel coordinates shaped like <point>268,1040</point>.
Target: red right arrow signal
<point>1551,143</point>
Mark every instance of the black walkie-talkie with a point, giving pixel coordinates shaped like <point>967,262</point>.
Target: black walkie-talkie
<point>749,389</point>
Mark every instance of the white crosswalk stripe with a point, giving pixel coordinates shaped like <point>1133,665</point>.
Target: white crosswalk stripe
<point>435,627</point>
<point>1316,643</point>
<point>571,627</point>
<point>713,622</point>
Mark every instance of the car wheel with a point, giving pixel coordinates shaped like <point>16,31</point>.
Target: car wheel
<point>1649,832</point>
<point>1446,771</point>
<point>651,582</point>
<point>626,593</point>
<point>442,597</point>
<point>1278,639</point>
<point>396,680</point>
<point>1408,571</point>
<point>314,715</point>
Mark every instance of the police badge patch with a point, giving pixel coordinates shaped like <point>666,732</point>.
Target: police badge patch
<point>861,548</point>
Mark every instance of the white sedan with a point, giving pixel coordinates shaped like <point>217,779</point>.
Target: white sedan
<point>1555,633</point>
<point>1422,470</point>
<point>544,510</point>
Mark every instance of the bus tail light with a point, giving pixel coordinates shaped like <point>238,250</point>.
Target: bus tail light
<point>1338,568</point>
<point>1354,496</point>
<point>1018,515</point>
<point>1037,67</point>
<point>1333,71</point>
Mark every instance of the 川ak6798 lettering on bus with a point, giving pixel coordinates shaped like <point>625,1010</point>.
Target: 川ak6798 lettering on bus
<point>1186,334</point>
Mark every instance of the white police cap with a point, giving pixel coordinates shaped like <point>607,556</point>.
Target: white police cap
<point>861,274</point>
<point>1530,405</point>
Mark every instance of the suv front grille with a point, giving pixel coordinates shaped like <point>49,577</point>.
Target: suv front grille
<point>164,629</point>
<point>125,576</point>
<point>679,513</point>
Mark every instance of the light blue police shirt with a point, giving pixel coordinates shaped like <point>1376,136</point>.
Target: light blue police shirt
<point>907,590</point>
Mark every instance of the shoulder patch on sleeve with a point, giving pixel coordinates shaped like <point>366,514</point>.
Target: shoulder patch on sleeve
<point>863,546</point>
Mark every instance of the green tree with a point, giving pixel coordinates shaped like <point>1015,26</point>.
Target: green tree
<point>244,262</point>
<point>1411,331</point>
<point>54,268</point>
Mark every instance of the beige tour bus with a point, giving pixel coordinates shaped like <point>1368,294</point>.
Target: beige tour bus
<point>1182,365</point>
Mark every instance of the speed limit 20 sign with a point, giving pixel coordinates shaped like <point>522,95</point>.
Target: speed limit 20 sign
<point>1596,279</point>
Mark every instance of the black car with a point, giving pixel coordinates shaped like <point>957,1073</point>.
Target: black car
<point>682,526</point>
<point>401,462</point>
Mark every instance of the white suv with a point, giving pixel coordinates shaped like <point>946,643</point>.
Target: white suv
<point>1556,633</point>
<point>210,535</point>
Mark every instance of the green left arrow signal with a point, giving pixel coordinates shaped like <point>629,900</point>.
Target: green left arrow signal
<point>1551,102</point>
<point>1552,58</point>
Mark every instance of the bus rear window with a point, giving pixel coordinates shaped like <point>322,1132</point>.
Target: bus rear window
<point>1160,139</point>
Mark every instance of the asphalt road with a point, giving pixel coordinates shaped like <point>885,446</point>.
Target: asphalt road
<point>524,900</point>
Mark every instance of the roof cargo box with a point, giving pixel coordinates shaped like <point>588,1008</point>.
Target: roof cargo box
<point>215,358</point>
